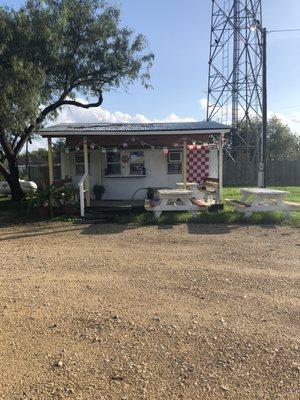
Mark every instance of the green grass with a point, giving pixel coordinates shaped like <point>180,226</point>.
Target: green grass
<point>11,212</point>
<point>294,192</point>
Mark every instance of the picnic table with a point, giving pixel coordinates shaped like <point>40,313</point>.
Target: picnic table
<point>262,200</point>
<point>176,200</point>
<point>193,186</point>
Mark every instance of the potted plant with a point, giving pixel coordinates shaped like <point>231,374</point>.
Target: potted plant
<point>98,191</point>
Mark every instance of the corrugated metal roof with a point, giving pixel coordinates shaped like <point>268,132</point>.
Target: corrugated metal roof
<point>134,127</point>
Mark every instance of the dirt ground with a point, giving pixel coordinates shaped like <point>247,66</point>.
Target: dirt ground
<point>171,312</point>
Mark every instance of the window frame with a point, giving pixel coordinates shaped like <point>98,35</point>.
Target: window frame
<point>119,162</point>
<point>137,163</point>
<point>174,162</point>
<point>125,167</point>
<point>81,153</point>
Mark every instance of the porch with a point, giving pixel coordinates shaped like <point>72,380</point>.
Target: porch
<point>127,159</point>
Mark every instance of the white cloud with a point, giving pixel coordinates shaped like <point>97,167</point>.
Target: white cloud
<point>73,114</point>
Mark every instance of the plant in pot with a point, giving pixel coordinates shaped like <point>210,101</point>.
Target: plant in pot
<point>98,191</point>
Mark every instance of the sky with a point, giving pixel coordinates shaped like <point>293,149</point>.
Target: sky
<point>178,33</point>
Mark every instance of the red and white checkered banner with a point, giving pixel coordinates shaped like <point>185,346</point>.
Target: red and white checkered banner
<point>197,163</point>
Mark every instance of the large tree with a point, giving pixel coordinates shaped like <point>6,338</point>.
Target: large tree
<point>52,51</point>
<point>282,143</point>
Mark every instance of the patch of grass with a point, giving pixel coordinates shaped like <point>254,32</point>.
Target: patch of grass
<point>275,218</point>
<point>235,192</point>
<point>12,212</point>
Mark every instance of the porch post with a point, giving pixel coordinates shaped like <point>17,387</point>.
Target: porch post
<point>50,161</point>
<point>184,164</point>
<point>86,171</point>
<point>100,168</point>
<point>220,167</point>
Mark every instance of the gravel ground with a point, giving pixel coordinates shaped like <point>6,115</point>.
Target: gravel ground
<point>120,312</point>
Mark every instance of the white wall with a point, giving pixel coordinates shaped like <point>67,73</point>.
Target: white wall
<point>123,188</point>
<point>156,171</point>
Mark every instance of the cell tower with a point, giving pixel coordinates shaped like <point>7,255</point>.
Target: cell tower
<point>235,73</point>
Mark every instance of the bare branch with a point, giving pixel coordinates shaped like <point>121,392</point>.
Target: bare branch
<point>52,107</point>
<point>83,105</point>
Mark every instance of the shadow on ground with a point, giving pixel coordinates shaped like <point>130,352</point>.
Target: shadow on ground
<point>193,228</point>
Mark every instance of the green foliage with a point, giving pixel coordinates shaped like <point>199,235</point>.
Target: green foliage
<point>14,212</point>
<point>52,196</point>
<point>50,48</point>
<point>42,198</point>
<point>52,51</point>
<point>282,143</point>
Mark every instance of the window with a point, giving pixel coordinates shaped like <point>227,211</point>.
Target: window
<point>113,163</point>
<point>79,164</point>
<point>125,163</point>
<point>174,162</point>
<point>137,163</point>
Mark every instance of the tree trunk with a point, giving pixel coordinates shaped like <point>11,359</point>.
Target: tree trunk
<point>13,180</point>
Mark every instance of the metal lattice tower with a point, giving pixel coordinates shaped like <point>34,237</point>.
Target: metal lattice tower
<point>235,73</point>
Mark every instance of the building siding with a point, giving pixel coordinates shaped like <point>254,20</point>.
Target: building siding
<point>124,188</point>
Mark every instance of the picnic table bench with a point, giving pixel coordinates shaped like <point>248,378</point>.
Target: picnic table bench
<point>208,192</point>
<point>263,200</point>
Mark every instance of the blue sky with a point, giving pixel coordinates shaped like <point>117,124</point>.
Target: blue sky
<point>178,34</point>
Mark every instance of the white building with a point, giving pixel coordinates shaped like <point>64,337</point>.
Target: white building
<point>128,158</point>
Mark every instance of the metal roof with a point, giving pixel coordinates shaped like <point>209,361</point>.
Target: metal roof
<point>144,128</point>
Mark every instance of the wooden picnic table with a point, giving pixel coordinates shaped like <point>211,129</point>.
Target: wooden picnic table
<point>262,200</point>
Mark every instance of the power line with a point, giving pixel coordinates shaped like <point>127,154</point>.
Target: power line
<point>284,30</point>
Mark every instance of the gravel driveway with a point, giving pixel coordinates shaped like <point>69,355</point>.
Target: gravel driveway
<point>172,312</point>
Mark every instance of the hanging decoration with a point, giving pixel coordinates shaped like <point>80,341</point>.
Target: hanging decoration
<point>135,141</point>
<point>165,151</point>
<point>198,163</point>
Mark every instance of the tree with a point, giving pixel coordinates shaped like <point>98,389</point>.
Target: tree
<point>51,52</point>
<point>282,143</point>
<point>35,157</point>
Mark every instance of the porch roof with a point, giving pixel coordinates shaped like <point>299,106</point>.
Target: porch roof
<point>111,129</point>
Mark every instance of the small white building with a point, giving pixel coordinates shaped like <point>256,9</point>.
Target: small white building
<point>128,158</point>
